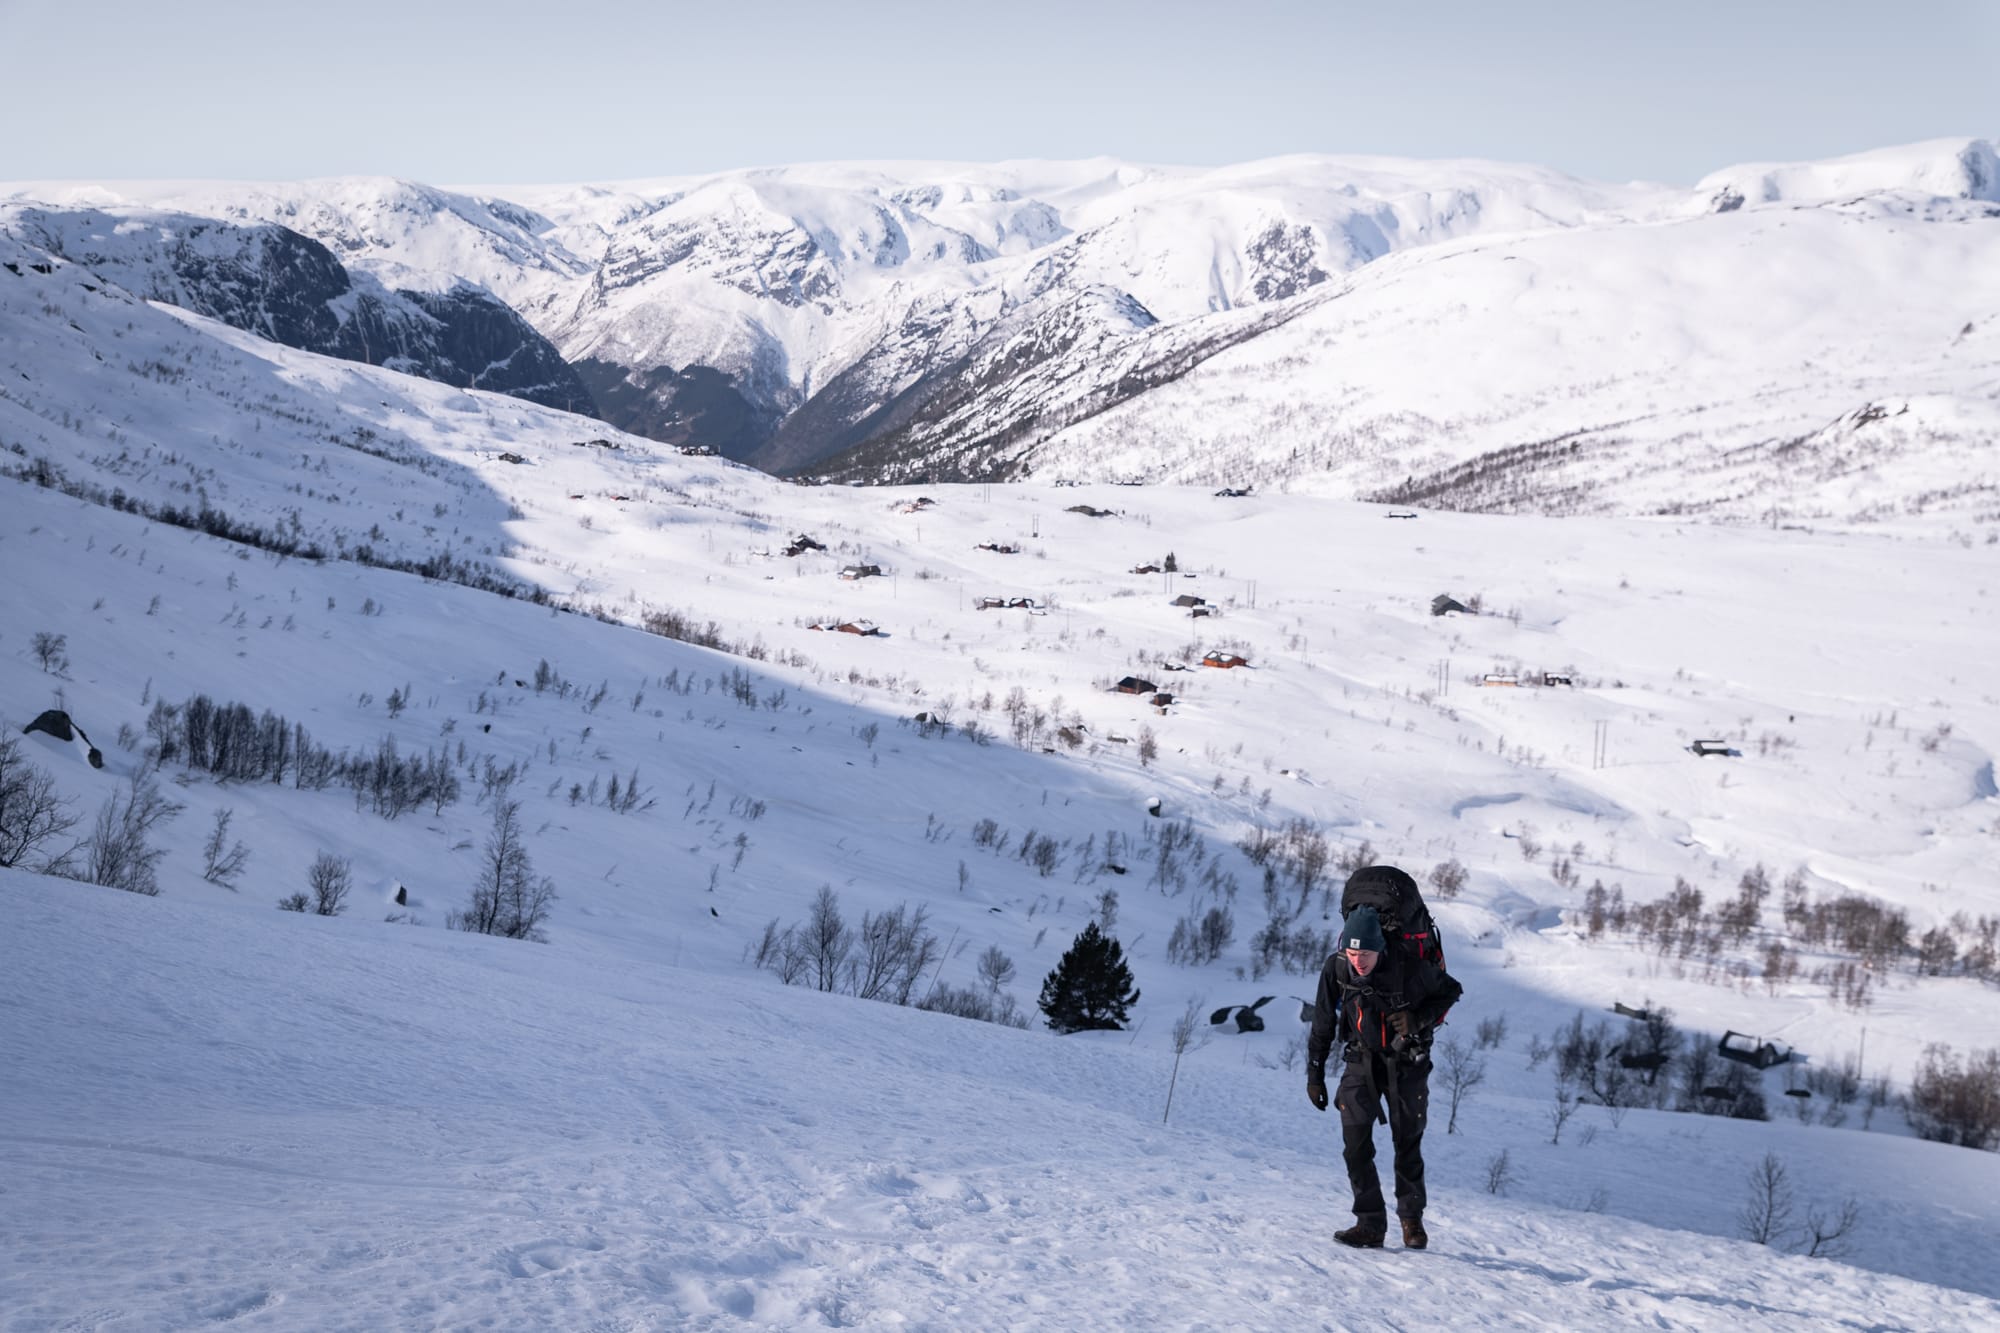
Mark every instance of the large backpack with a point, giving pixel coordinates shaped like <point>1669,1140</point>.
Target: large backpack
<point>1406,923</point>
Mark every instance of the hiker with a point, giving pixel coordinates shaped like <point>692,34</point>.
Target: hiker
<point>1383,993</point>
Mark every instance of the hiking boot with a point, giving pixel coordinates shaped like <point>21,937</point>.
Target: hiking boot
<point>1414,1237</point>
<point>1365,1234</point>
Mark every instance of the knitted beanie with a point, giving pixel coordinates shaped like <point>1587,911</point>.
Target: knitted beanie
<point>1362,930</point>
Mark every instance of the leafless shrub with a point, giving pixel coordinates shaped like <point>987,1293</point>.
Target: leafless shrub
<point>996,969</point>
<point>984,1006</point>
<point>221,862</point>
<point>1954,1103</point>
<point>1766,1213</point>
<point>1188,1033</point>
<point>769,946</point>
<point>119,852</point>
<point>1463,1071</point>
<point>51,652</point>
<point>329,877</point>
<point>827,940</point>
<point>895,950</point>
<point>1198,940</point>
<point>1561,1108</point>
<point>31,813</point>
<point>508,899</point>
<point>1827,1229</point>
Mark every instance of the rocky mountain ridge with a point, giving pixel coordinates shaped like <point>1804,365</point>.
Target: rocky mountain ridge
<point>272,281</point>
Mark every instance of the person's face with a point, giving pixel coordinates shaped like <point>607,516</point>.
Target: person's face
<point>1363,961</point>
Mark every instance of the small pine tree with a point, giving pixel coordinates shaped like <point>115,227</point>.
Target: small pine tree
<point>1090,989</point>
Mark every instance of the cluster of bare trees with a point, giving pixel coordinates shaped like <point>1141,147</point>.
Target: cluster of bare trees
<point>1294,948</point>
<point>1651,1063</point>
<point>884,959</point>
<point>1872,935</point>
<point>987,1002</point>
<point>1957,1103</point>
<point>118,852</point>
<point>1296,857</point>
<point>508,898</point>
<point>1201,939</point>
<point>329,878</point>
<point>33,815</point>
<point>1447,878</point>
<point>232,743</point>
<point>1032,726</point>
<point>1296,853</point>
<point>1769,1212</point>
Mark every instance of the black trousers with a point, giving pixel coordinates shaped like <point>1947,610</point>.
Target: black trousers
<point>1406,1090</point>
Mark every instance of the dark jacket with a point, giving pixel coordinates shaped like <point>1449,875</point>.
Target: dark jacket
<point>1355,1010</point>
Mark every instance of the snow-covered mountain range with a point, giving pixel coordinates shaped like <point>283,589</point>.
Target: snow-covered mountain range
<point>1802,339</point>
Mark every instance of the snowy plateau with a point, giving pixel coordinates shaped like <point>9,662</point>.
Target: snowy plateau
<point>298,530</point>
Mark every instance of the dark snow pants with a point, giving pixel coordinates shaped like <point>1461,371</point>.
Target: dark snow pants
<point>1406,1089</point>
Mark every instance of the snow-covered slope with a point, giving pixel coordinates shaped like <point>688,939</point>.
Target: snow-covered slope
<point>665,1133</point>
<point>1817,361</point>
<point>286,1122</point>
<point>1941,168</point>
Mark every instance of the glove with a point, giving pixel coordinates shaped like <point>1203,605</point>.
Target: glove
<point>1404,1022</point>
<point>1316,1094</point>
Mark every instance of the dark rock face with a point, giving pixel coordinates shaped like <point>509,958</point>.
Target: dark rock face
<point>879,392</point>
<point>756,255</point>
<point>1282,262</point>
<point>481,343</point>
<point>696,406</point>
<point>1064,360</point>
<point>280,285</point>
<point>276,286</point>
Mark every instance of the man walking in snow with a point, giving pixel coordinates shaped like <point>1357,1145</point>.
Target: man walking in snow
<point>1382,1003</point>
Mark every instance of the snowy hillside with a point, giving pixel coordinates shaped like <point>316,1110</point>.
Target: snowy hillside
<point>1472,334</point>
<point>286,1122</point>
<point>372,1119</point>
<point>1632,369</point>
<point>1944,168</point>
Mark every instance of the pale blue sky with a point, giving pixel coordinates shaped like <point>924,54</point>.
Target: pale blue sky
<point>509,91</point>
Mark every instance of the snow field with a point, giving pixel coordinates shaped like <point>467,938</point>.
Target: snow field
<point>370,1124</point>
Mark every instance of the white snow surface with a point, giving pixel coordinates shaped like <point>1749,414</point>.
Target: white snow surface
<point>224,1117</point>
<point>213,1111</point>
<point>1705,362</point>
